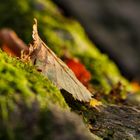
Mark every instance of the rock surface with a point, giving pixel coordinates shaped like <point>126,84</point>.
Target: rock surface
<point>117,123</point>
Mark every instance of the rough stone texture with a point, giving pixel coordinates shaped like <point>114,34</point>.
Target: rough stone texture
<point>116,122</point>
<point>110,122</point>
<point>113,26</point>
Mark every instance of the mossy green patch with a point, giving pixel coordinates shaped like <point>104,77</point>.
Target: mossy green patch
<point>22,81</point>
<point>31,107</point>
<point>25,95</point>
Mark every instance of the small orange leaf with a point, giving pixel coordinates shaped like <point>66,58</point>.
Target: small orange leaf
<point>135,86</point>
<point>82,74</point>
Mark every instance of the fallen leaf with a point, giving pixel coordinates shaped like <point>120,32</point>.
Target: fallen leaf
<point>55,69</point>
<point>7,49</point>
<point>11,43</point>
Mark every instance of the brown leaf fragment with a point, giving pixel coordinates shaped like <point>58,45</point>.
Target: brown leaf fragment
<point>55,69</point>
<point>11,43</point>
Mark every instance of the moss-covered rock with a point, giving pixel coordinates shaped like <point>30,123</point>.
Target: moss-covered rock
<point>31,107</point>
<point>21,81</point>
<point>62,35</point>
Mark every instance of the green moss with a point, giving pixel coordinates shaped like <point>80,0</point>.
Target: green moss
<point>31,107</point>
<point>62,35</point>
<point>25,95</point>
<point>19,80</point>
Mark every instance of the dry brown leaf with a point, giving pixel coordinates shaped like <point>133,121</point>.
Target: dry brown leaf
<point>55,69</point>
<point>11,43</point>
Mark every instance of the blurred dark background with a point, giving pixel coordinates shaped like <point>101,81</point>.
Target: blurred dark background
<point>113,26</point>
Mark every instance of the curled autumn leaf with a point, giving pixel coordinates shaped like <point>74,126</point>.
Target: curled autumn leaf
<point>55,69</point>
